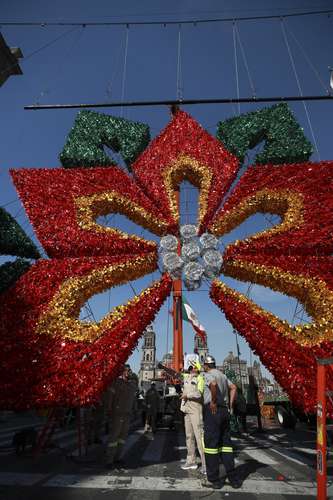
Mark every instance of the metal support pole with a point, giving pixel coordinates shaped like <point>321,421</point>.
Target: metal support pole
<point>45,433</point>
<point>177,316</point>
<point>79,430</point>
<point>321,433</point>
<point>238,357</point>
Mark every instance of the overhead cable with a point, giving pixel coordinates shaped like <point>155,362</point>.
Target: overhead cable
<point>245,62</point>
<point>60,75</point>
<point>307,58</point>
<point>124,71</point>
<point>236,63</point>
<point>110,84</point>
<point>163,23</point>
<point>293,65</point>
<point>48,44</point>
<point>179,87</point>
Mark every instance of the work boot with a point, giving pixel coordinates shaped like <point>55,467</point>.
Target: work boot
<point>214,485</point>
<point>235,483</point>
<point>110,465</point>
<point>120,464</point>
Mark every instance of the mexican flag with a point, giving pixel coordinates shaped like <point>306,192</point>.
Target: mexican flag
<point>190,316</point>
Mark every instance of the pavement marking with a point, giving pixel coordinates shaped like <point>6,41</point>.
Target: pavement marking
<point>309,451</point>
<point>289,455</point>
<point>255,486</point>
<point>260,456</point>
<point>275,438</point>
<point>7,436</point>
<point>23,426</point>
<point>154,450</point>
<point>63,440</point>
<point>132,439</point>
<point>20,478</point>
<point>55,437</point>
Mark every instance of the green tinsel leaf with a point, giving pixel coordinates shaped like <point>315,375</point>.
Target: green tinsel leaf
<point>11,271</point>
<point>84,145</point>
<point>285,141</point>
<point>13,240</point>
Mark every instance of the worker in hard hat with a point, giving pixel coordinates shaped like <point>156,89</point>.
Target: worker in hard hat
<point>191,406</point>
<point>219,397</point>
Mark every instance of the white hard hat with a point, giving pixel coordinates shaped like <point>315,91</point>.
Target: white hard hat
<point>209,360</point>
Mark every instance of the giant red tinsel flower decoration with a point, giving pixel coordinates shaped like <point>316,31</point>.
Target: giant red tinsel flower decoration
<point>48,357</point>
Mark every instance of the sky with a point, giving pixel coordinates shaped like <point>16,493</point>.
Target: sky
<point>66,64</point>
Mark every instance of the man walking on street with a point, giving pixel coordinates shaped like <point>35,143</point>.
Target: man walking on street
<point>121,396</point>
<point>219,396</point>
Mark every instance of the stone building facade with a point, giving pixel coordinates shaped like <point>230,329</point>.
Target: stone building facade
<point>238,367</point>
<point>147,370</point>
<point>200,347</point>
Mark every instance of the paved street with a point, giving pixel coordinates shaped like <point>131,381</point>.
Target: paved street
<point>276,464</point>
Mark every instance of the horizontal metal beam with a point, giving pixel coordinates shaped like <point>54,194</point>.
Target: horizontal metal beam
<point>184,102</point>
<point>325,361</point>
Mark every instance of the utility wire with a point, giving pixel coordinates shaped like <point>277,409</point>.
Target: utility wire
<point>109,88</point>
<point>293,65</point>
<point>245,61</point>
<point>132,287</point>
<point>60,70</point>
<point>10,203</point>
<point>163,23</point>
<point>307,58</point>
<point>89,309</point>
<point>179,89</point>
<point>236,63</point>
<point>124,71</point>
<point>45,46</point>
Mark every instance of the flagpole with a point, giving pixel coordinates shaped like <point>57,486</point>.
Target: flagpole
<point>177,312</point>
<point>238,356</point>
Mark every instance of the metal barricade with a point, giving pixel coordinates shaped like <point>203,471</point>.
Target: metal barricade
<point>322,395</point>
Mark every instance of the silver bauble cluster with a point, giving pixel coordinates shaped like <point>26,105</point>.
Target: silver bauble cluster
<point>198,257</point>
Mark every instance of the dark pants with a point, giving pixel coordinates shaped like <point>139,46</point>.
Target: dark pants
<point>217,443</point>
<point>151,417</point>
<point>241,419</point>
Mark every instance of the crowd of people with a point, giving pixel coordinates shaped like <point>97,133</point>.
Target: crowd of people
<point>207,401</point>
